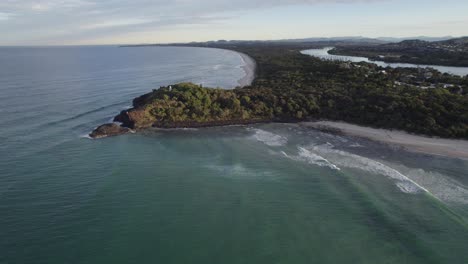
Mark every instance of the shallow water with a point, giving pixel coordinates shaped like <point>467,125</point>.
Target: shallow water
<point>323,54</point>
<point>271,193</point>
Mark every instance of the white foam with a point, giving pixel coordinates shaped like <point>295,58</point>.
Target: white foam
<point>236,171</point>
<point>269,138</point>
<point>355,145</point>
<point>349,160</point>
<point>411,181</point>
<point>86,136</point>
<point>407,187</point>
<point>441,186</point>
<point>311,158</point>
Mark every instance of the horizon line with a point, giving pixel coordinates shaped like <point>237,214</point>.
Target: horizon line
<point>230,40</point>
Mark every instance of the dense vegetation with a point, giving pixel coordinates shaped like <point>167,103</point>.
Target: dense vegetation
<point>452,52</point>
<point>187,104</point>
<point>290,86</point>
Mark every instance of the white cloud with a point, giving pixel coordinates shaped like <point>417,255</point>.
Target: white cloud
<point>54,21</point>
<point>42,5</point>
<point>117,23</point>
<point>47,5</point>
<point>5,16</point>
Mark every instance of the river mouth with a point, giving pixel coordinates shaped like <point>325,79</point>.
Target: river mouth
<point>323,54</point>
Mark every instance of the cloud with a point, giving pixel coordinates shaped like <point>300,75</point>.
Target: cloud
<point>5,16</point>
<point>219,5</point>
<point>48,21</point>
<point>117,23</point>
<point>42,5</point>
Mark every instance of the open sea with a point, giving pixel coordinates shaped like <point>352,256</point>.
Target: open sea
<point>269,193</point>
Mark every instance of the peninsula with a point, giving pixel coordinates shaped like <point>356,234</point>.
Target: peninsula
<point>293,87</point>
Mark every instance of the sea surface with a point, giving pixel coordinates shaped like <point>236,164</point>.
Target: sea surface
<point>323,54</point>
<point>270,193</point>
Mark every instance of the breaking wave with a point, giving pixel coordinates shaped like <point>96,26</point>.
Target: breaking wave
<point>441,186</point>
<point>311,158</point>
<point>349,160</point>
<point>269,138</point>
<point>327,155</point>
<point>412,181</point>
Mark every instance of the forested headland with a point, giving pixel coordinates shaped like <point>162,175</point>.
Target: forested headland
<point>292,87</point>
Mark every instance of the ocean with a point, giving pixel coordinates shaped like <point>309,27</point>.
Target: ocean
<point>266,193</point>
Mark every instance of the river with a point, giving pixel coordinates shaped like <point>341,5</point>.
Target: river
<point>323,54</point>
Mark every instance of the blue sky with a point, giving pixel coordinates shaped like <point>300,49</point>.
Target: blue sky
<point>74,22</point>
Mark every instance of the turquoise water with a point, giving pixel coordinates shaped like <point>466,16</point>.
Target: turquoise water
<point>271,193</point>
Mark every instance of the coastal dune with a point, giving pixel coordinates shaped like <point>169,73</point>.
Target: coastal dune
<point>415,143</point>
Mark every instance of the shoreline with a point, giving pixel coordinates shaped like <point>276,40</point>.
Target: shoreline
<point>453,148</point>
<point>249,68</point>
<point>263,105</point>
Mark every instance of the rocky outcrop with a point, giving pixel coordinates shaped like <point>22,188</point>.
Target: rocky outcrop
<point>135,118</point>
<point>109,130</point>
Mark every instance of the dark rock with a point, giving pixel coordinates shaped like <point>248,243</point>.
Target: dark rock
<point>109,130</point>
<point>124,118</point>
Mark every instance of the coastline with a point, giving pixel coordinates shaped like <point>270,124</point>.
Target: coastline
<point>453,148</point>
<point>114,129</point>
<point>264,100</point>
<point>249,68</point>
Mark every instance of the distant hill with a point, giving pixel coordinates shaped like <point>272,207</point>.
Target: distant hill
<point>321,41</point>
<point>357,39</point>
<point>450,45</point>
<point>425,38</point>
<point>460,42</point>
<point>451,52</point>
<point>353,39</point>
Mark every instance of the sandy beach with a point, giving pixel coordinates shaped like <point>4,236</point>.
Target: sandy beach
<point>249,69</point>
<point>415,143</point>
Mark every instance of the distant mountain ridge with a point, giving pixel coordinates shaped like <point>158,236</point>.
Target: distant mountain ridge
<point>354,39</point>
<point>331,41</point>
<point>454,44</point>
<point>424,38</point>
<point>451,52</point>
<point>367,39</point>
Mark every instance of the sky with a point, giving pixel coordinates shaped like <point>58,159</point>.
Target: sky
<point>90,22</point>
